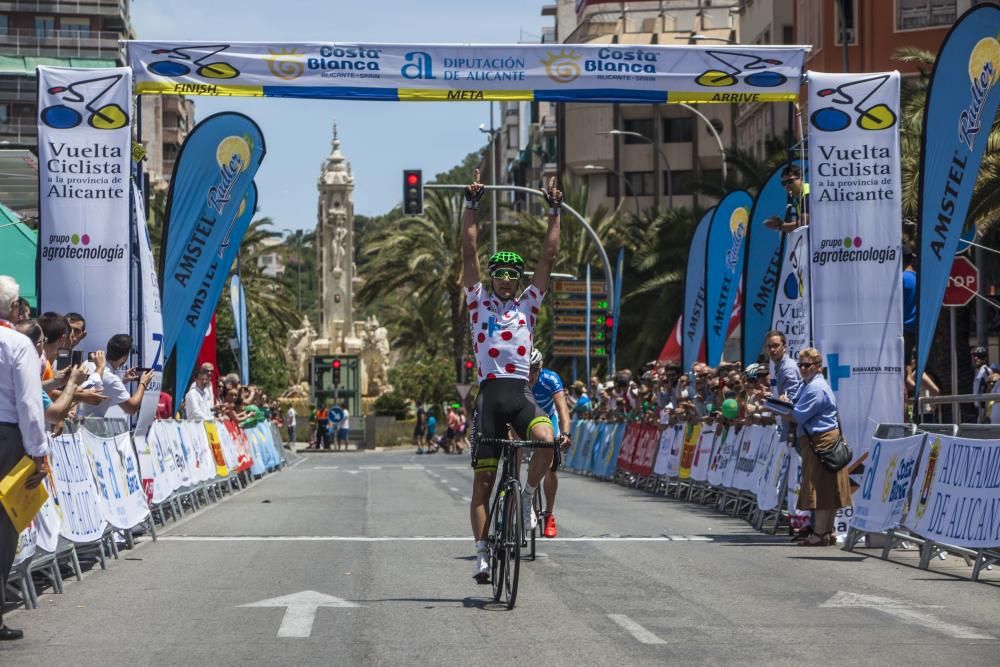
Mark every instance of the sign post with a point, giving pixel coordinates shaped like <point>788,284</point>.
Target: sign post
<point>963,285</point>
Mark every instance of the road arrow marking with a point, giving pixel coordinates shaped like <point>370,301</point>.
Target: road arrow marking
<point>300,610</point>
<point>904,611</point>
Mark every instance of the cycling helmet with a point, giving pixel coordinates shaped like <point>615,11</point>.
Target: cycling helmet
<point>505,259</point>
<point>980,351</point>
<point>536,358</point>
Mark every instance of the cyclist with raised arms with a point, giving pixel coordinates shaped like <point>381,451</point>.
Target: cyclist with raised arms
<point>503,322</point>
<point>550,394</point>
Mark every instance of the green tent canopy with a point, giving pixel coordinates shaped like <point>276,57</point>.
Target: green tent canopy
<point>18,251</point>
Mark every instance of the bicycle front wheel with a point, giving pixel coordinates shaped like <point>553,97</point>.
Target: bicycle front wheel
<point>512,535</point>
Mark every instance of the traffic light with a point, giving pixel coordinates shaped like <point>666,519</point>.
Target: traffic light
<point>468,371</point>
<point>413,192</point>
<point>609,323</point>
<point>336,372</point>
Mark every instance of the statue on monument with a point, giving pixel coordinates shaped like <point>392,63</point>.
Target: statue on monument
<point>298,350</point>
<point>339,249</point>
<point>375,357</point>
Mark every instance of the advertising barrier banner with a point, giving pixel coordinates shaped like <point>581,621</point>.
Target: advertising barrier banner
<point>84,158</point>
<point>889,473</point>
<point>693,319</point>
<point>208,195</point>
<point>83,520</point>
<point>704,446</point>
<point>855,240</point>
<point>465,72</point>
<point>956,492</point>
<point>116,476</point>
<point>725,250</point>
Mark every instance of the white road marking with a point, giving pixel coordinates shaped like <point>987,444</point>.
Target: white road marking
<point>456,467</point>
<point>905,612</point>
<point>413,468</point>
<point>636,630</point>
<point>363,538</point>
<point>453,489</point>
<point>370,467</point>
<point>325,468</point>
<point>467,499</point>
<point>443,481</point>
<point>300,610</point>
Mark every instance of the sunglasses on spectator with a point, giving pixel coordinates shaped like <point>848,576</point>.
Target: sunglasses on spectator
<point>788,181</point>
<point>506,274</point>
<point>806,364</point>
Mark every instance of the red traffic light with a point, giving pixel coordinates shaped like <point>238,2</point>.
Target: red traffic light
<point>468,365</point>
<point>336,364</point>
<point>412,179</point>
<point>609,321</point>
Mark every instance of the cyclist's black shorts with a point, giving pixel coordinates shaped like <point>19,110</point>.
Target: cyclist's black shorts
<point>500,402</point>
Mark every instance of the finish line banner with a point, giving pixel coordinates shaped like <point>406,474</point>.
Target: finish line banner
<point>854,242</point>
<point>84,156</point>
<point>460,72</point>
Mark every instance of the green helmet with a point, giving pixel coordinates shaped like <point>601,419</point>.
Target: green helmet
<point>506,259</point>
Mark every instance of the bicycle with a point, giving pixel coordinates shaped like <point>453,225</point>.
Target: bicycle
<point>506,533</point>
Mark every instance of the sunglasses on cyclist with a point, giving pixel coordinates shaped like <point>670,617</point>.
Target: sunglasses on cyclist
<point>506,274</point>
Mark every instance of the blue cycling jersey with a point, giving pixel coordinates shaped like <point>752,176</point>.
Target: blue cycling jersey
<point>546,387</point>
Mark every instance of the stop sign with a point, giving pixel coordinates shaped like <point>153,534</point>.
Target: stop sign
<point>963,283</point>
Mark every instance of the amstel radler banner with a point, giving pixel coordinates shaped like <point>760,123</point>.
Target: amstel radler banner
<point>84,142</point>
<point>854,246</point>
<point>444,72</point>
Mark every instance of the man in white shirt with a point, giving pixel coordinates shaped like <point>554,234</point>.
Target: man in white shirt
<point>199,401</point>
<point>104,375</point>
<point>344,427</point>
<point>22,423</point>
<point>290,418</point>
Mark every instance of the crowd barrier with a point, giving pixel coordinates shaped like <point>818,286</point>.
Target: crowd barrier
<point>108,484</point>
<point>749,471</point>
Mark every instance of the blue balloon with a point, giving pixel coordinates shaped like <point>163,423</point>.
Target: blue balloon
<point>830,120</point>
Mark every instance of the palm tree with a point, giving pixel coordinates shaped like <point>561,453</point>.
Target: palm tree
<point>416,257</point>
<point>410,319</point>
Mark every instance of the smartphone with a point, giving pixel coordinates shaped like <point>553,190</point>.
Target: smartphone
<point>77,358</point>
<point>62,359</point>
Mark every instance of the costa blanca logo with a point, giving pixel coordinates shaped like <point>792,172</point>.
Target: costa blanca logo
<point>233,156</point>
<point>79,246</point>
<point>563,66</point>
<point>850,249</point>
<point>984,63</point>
<point>88,94</point>
<point>868,114</point>
<point>185,60</point>
<point>286,64</point>
<point>734,65</point>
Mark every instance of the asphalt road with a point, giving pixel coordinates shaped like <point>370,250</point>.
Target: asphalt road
<point>384,538</point>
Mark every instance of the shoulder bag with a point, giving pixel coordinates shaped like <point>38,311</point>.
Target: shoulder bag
<point>839,455</point>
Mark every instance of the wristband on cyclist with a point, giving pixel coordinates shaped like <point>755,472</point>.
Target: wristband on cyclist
<point>472,197</point>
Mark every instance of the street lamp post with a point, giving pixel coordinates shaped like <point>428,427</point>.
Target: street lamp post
<point>493,132</point>
<point>628,186</point>
<point>718,139</point>
<point>670,176</point>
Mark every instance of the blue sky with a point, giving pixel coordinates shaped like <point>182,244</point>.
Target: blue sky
<point>379,139</point>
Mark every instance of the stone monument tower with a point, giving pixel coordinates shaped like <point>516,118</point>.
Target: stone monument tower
<point>335,255</point>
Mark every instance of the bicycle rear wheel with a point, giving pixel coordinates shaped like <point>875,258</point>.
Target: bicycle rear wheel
<point>512,535</point>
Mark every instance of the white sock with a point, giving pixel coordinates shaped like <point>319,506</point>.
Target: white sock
<point>481,546</point>
<point>529,491</point>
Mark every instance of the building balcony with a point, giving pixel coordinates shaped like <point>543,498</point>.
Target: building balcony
<point>61,43</point>
<point>67,7</point>
<point>19,133</point>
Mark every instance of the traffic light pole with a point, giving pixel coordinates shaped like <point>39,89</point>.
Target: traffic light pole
<point>612,296</point>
